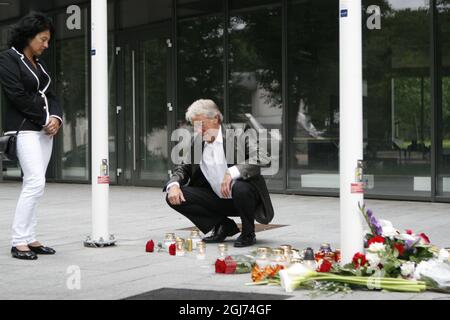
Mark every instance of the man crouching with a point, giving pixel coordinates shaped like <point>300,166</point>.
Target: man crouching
<point>209,191</point>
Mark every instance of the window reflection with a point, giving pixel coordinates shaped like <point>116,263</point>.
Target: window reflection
<point>397,110</point>
<point>72,80</point>
<point>255,62</point>
<point>313,148</point>
<point>444,95</point>
<point>200,62</point>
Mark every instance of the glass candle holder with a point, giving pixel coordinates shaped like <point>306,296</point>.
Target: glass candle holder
<point>287,251</point>
<point>180,247</point>
<point>278,259</point>
<point>296,254</point>
<point>188,245</point>
<point>201,250</point>
<point>338,255</point>
<point>263,257</point>
<point>195,236</point>
<point>223,251</point>
<point>169,239</point>
<point>309,259</point>
<point>325,248</point>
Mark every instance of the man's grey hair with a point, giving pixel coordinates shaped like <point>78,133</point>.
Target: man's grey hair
<point>207,108</point>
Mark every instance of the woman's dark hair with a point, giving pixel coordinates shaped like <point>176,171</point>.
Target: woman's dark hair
<point>27,28</point>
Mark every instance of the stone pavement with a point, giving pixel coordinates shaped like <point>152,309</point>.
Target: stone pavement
<point>140,214</point>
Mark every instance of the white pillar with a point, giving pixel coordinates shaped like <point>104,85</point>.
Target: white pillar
<point>351,126</point>
<point>99,125</point>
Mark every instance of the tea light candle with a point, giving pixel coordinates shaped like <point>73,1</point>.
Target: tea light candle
<point>223,250</point>
<point>180,247</point>
<point>201,250</point>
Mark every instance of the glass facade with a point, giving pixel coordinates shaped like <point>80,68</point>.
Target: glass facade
<point>397,113</point>
<point>71,56</point>
<point>200,57</point>
<point>443,96</point>
<point>313,96</point>
<point>272,62</point>
<point>255,73</point>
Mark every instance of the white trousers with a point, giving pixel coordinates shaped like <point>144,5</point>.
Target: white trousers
<point>34,150</point>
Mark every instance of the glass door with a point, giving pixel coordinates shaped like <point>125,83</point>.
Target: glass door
<point>144,110</point>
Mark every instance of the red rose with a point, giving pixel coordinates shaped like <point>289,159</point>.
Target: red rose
<point>150,247</point>
<point>400,248</point>
<point>425,238</point>
<point>409,232</point>
<point>220,266</point>
<point>359,260</point>
<point>173,249</point>
<point>377,239</point>
<point>230,265</point>
<point>325,266</point>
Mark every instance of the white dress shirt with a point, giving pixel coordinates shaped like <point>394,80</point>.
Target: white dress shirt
<point>214,165</point>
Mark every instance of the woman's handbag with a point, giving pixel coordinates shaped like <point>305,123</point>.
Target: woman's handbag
<point>8,145</point>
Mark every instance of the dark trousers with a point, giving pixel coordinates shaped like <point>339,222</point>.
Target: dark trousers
<point>206,210</point>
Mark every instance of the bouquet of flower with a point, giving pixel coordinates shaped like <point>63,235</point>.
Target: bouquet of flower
<point>393,261</point>
<point>389,251</point>
<point>237,264</point>
<point>265,274</point>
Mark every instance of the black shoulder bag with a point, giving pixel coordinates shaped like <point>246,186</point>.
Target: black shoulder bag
<point>8,145</point>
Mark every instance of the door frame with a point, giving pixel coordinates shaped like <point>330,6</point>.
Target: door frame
<point>134,37</point>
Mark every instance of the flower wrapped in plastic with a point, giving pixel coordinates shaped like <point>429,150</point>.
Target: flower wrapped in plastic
<point>235,264</point>
<point>436,274</point>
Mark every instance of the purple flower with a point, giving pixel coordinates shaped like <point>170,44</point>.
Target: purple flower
<point>409,244</point>
<point>376,225</point>
<point>369,214</point>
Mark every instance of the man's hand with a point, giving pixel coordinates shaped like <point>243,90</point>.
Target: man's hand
<point>52,127</point>
<point>226,186</point>
<point>175,196</point>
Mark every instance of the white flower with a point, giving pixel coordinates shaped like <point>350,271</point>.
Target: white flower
<point>406,237</point>
<point>444,255</point>
<point>286,281</point>
<point>296,271</point>
<point>373,259</point>
<point>408,269</point>
<point>388,229</point>
<point>377,247</point>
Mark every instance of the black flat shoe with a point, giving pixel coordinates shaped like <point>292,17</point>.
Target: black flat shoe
<point>42,250</point>
<point>23,255</point>
<point>245,241</point>
<point>221,232</point>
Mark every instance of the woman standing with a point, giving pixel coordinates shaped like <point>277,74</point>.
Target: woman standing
<point>32,109</point>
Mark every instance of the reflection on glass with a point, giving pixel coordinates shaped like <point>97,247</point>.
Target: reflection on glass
<point>313,71</point>
<point>112,126</point>
<point>200,62</point>
<point>145,143</point>
<point>72,83</point>
<point>154,158</point>
<point>140,12</point>
<point>10,169</point>
<point>255,62</point>
<point>444,98</point>
<point>186,8</point>
<point>397,100</point>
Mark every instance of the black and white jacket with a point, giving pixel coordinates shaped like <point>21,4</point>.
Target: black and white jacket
<point>26,91</point>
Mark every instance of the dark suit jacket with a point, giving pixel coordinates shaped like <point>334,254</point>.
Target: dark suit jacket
<point>26,91</point>
<point>189,172</point>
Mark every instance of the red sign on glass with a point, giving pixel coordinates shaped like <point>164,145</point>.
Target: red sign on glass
<point>358,187</point>
<point>104,180</point>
